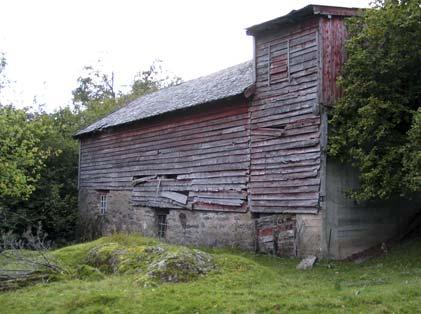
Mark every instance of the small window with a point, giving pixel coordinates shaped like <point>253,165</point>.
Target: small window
<point>162,225</point>
<point>103,204</point>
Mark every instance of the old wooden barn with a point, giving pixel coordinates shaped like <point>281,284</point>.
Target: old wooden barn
<point>237,158</point>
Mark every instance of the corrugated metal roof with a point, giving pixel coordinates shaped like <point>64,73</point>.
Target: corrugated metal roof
<point>223,84</point>
<point>296,16</point>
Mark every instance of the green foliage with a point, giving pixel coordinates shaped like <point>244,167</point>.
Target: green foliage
<point>242,283</point>
<point>52,200</point>
<point>39,157</point>
<point>96,95</point>
<point>89,273</point>
<point>375,125</point>
<point>3,80</point>
<point>412,159</point>
<point>151,80</point>
<point>21,156</point>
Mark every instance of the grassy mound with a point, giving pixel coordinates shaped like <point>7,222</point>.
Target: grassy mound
<point>242,282</point>
<point>152,262</point>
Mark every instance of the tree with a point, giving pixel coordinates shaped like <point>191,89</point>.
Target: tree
<point>22,160</point>
<point>96,96</point>
<point>2,67</point>
<point>376,125</point>
<point>21,157</point>
<point>151,80</point>
<point>39,157</point>
<point>54,201</point>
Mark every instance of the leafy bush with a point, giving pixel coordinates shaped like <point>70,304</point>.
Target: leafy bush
<point>376,125</point>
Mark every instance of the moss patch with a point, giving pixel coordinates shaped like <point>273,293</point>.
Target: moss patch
<point>89,273</point>
<point>157,263</point>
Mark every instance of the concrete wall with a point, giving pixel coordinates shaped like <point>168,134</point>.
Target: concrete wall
<point>310,234</point>
<point>352,227</point>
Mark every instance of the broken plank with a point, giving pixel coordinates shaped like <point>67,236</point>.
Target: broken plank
<point>141,180</point>
<point>177,197</point>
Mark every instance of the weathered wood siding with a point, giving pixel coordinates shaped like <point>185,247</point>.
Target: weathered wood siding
<point>264,154</point>
<point>285,121</point>
<point>197,159</point>
<point>333,32</point>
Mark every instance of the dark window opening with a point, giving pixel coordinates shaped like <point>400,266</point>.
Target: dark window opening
<point>103,204</point>
<point>162,225</point>
<point>278,126</point>
<point>170,176</point>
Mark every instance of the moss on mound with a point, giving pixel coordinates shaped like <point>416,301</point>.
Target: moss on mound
<point>89,273</point>
<point>153,264</point>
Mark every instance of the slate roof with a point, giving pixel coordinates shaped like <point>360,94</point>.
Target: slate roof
<point>296,16</point>
<point>223,84</point>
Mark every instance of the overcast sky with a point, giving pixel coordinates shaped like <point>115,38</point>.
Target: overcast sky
<point>47,43</point>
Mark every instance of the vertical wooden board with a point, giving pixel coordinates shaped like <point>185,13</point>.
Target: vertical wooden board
<point>333,35</point>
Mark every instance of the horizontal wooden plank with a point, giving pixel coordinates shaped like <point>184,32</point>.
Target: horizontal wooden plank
<point>242,195</point>
<point>289,183</point>
<point>218,174</point>
<point>167,141</point>
<point>276,152</point>
<point>284,203</point>
<point>177,197</point>
<point>285,99</point>
<point>229,162</point>
<point>303,30</point>
<point>287,170</point>
<point>149,129</point>
<point>142,180</point>
<point>281,191</point>
<point>219,208</point>
<point>282,111</point>
<point>285,210</point>
<point>139,170</point>
<point>191,158</point>
<point>285,196</point>
<point>219,201</point>
<point>283,176</point>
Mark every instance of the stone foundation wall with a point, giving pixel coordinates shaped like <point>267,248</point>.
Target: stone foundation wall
<point>282,235</point>
<point>118,218</point>
<point>215,229</point>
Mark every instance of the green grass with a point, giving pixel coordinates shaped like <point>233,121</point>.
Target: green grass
<point>242,283</point>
